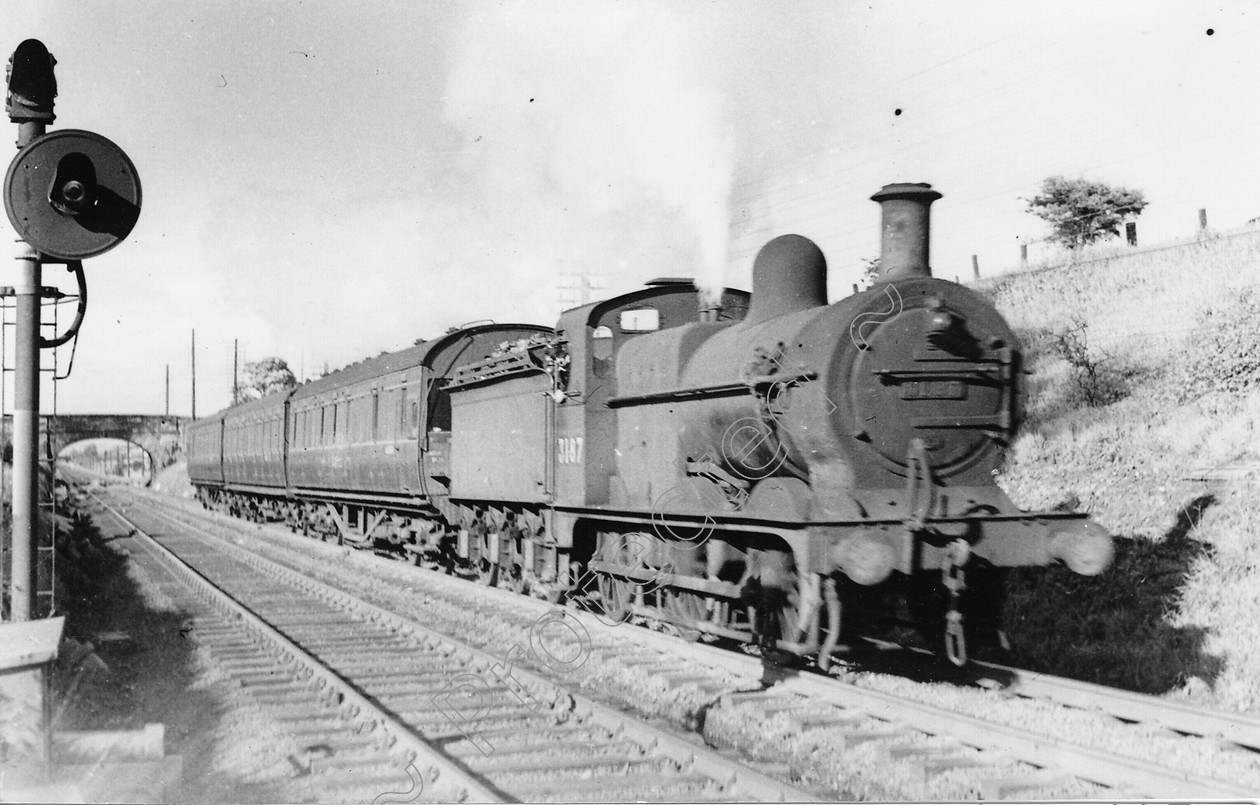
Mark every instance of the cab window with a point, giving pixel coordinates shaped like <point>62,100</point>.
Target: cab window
<point>602,343</point>
<point>601,351</point>
<point>640,320</point>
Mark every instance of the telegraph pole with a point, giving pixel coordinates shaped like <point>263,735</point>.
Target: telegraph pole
<point>236,384</point>
<point>168,390</point>
<point>194,374</point>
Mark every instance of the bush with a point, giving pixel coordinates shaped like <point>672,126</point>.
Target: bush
<point>1096,378</point>
<point>1101,378</point>
<point>1223,354</point>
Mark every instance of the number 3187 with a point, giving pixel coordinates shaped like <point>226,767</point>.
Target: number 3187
<point>569,449</point>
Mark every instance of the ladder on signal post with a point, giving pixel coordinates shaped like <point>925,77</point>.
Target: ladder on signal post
<point>47,529</point>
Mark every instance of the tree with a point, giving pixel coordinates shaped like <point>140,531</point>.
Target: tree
<point>870,274</point>
<point>1082,212</point>
<point>266,376</point>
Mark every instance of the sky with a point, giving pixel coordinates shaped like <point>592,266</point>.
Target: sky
<point>324,181</point>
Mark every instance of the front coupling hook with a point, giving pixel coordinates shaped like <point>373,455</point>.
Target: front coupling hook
<point>955,581</point>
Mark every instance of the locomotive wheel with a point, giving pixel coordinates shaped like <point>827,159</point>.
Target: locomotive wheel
<point>788,624</point>
<point>615,596</point>
<point>773,613</point>
<point>776,624</point>
<point>686,609</point>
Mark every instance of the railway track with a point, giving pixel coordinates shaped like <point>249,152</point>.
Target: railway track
<point>340,743</point>
<point>366,695</point>
<point>1233,732</point>
<point>924,740</point>
<point>1230,731</point>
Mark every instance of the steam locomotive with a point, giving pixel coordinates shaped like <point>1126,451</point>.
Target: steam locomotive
<point>763,467</point>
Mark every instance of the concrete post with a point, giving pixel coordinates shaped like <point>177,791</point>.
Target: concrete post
<point>26,417</point>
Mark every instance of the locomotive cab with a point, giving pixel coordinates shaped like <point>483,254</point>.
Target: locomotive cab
<point>667,312</point>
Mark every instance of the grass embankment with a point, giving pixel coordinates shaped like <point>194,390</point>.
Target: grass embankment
<point>1142,369</point>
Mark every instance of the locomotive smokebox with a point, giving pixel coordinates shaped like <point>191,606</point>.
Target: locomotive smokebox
<point>906,231</point>
<point>789,275</point>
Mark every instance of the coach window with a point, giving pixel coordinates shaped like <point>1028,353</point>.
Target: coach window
<point>376,415</point>
<point>388,426</point>
<point>413,419</point>
<point>402,410</point>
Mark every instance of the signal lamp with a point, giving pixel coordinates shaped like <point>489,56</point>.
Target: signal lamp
<point>32,85</point>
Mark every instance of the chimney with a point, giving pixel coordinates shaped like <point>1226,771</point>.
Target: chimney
<point>789,274</point>
<point>906,230</point>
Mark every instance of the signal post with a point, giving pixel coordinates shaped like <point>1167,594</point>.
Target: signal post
<point>69,195</point>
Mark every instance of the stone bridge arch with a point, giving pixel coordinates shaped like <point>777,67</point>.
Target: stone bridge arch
<point>162,437</point>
